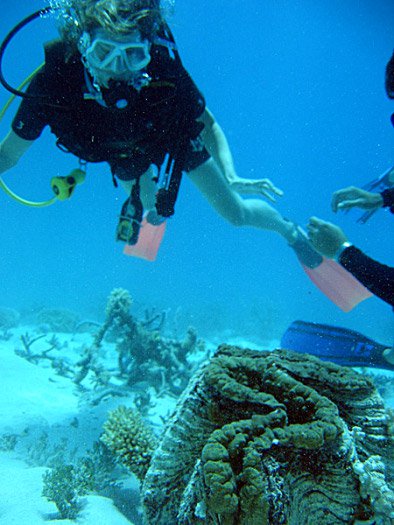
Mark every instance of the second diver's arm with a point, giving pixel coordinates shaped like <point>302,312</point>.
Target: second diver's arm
<point>217,145</point>
<point>330,241</point>
<point>388,199</point>
<point>377,277</point>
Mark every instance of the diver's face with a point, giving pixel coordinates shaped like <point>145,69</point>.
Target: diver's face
<point>118,58</point>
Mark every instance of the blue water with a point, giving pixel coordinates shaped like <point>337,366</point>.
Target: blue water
<point>298,87</point>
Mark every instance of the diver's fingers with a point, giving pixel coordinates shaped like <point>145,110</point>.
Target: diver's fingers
<point>314,225</point>
<point>345,205</point>
<point>315,221</point>
<point>277,191</point>
<point>267,195</point>
<point>343,195</point>
<point>267,184</point>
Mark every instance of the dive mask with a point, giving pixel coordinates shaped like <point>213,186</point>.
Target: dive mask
<point>113,56</point>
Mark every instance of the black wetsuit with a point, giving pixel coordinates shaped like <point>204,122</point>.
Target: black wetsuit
<point>377,277</point>
<point>131,135</point>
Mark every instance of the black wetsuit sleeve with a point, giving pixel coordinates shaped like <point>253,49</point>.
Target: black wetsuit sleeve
<point>377,277</point>
<point>31,117</point>
<point>388,199</point>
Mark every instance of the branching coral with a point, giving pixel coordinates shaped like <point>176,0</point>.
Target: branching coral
<point>119,303</point>
<point>117,310</point>
<point>264,438</point>
<point>64,485</point>
<point>143,354</point>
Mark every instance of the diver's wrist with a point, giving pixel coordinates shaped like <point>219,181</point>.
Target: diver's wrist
<point>230,176</point>
<point>376,200</point>
<point>341,249</point>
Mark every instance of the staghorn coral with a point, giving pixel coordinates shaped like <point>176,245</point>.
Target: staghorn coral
<point>129,439</point>
<point>265,438</point>
<point>119,303</point>
<point>116,311</point>
<point>143,354</point>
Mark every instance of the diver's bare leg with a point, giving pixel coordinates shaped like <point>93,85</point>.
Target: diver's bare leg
<point>147,188</point>
<point>239,212</point>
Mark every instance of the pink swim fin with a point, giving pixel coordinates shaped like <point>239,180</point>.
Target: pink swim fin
<point>149,241</point>
<point>337,284</point>
<point>329,276</point>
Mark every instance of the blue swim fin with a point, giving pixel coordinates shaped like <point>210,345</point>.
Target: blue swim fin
<point>385,181</point>
<point>331,343</point>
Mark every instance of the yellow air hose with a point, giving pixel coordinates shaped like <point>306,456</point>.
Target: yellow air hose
<point>3,185</point>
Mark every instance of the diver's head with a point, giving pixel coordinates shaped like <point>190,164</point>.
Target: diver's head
<point>114,57</point>
<point>120,17</point>
<point>113,36</point>
<point>117,18</point>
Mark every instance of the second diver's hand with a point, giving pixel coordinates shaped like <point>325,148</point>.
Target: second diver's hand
<point>353,197</point>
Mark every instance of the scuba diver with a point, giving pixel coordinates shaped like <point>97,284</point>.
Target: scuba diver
<point>113,89</point>
<point>341,345</point>
<point>330,241</point>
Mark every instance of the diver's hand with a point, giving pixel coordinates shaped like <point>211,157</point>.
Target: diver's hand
<point>353,197</point>
<point>325,237</point>
<point>262,187</point>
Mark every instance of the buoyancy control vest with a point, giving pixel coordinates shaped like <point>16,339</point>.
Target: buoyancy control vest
<point>151,122</point>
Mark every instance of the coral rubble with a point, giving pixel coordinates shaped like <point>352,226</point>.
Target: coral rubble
<point>272,438</point>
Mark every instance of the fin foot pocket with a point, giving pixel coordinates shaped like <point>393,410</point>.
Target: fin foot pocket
<point>304,250</point>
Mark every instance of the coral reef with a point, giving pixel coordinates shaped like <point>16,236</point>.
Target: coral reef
<point>66,483</point>
<point>143,353</point>
<point>129,439</point>
<point>64,486</point>
<point>272,438</point>
<point>372,476</point>
<point>9,318</point>
<point>57,320</point>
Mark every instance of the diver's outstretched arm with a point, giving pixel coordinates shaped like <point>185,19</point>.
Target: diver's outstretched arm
<point>12,149</point>
<point>216,143</point>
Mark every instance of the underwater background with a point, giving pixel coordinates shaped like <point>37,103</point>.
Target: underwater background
<point>298,87</point>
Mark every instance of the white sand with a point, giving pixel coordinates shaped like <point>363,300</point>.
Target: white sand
<point>34,399</point>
